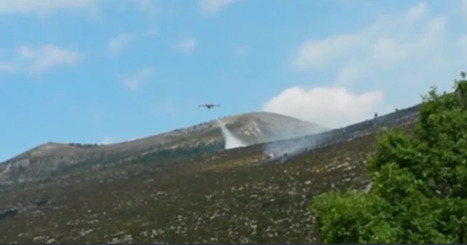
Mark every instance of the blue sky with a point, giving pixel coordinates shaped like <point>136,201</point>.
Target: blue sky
<point>102,71</point>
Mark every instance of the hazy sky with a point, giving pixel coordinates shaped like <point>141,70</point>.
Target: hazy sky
<point>101,71</point>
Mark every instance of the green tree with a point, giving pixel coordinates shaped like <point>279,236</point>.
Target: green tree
<point>419,183</point>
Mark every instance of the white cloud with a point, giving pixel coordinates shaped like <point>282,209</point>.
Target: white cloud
<point>410,51</point>
<point>350,72</point>
<point>8,67</point>
<point>43,6</point>
<point>388,50</point>
<point>388,40</point>
<point>416,13</point>
<point>38,60</point>
<point>433,35</point>
<point>317,53</point>
<point>135,81</point>
<point>399,56</point>
<point>214,6</point>
<point>464,6</point>
<point>330,107</point>
<point>47,57</point>
<point>187,45</point>
<point>118,43</point>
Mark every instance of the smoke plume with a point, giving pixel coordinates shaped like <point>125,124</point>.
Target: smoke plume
<point>284,149</point>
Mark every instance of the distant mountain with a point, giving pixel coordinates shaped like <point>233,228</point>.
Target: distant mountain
<point>250,128</point>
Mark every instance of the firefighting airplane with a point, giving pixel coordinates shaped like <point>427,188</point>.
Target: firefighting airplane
<point>209,106</point>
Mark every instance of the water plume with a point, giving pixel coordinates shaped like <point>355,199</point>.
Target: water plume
<point>231,141</point>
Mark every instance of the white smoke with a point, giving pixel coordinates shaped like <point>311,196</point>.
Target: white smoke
<point>283,149</point>
<point>230,140</point>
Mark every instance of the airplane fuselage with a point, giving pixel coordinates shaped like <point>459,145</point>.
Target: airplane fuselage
<point>209,106</point>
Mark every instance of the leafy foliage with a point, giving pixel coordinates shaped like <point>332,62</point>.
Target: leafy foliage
<point>419,183</point>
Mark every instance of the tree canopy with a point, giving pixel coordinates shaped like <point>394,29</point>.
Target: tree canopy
<point>419,182</point>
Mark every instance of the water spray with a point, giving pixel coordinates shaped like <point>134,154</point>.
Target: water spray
<point>231,141</point>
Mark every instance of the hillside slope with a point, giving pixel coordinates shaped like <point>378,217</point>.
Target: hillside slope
<point>234,196</point>
<point>54,158</point>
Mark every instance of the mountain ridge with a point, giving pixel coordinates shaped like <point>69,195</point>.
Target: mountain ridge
<point>251,127</point>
